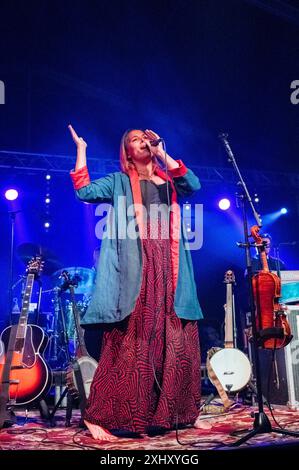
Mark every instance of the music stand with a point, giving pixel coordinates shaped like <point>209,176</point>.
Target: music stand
<point>261,423</point>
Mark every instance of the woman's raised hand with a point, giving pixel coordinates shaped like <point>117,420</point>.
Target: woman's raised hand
<point>79,141</point>
<point>81,149</point>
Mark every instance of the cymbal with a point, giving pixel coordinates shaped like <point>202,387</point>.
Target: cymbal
<point>86,275</point>
<point>26,251</point>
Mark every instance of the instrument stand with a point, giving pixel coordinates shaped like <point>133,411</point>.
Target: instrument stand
<point>70,402</point>
<point>41,403</point>
<point>71,363</point>
<point>261,423</point>
<point>54,358</point>
<point>53,350</point>
<point>69,408</point>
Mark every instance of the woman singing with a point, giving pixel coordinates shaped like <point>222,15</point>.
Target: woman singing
<point>148,377</point>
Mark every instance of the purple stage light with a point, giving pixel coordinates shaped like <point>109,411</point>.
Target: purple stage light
<point>224,204</point>
<point>284,210</point>
<point>11,194</point>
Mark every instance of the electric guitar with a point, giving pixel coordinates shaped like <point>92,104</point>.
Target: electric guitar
<point>80,373</point>
<point>24,374</point>
<point>230,365</point>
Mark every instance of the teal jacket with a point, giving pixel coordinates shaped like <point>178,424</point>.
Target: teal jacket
<point>119,273</point>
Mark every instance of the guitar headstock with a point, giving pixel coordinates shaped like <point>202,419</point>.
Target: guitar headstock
<point>35,266</point>
<point>65,275</point>
<point>70,281</point>
<point>229,277</point>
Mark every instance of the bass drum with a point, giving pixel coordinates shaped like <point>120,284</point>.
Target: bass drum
<point>232,368</point>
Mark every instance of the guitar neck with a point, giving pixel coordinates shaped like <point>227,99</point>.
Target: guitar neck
<point>229,326</point>
<point>82,351</point>
<point>23,320</point>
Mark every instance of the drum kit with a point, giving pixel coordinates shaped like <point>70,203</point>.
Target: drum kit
<point>55,313</point>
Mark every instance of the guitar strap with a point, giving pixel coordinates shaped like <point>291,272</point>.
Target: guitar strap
<point>222,393</point>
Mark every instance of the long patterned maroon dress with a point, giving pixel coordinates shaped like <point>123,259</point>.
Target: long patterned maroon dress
<point>149,371</point>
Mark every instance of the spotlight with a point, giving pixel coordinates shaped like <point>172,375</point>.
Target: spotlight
<point>11,194</point>
<point>47,200</point>
<point>224,204</point>
<point>283,210</point>
<point>48,177</point>
<point>47,224</point>
<point>256,199</point>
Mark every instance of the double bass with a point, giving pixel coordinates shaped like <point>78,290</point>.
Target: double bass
<point>273,329</point>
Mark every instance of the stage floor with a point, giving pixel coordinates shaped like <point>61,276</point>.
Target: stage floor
<point>34,433</point>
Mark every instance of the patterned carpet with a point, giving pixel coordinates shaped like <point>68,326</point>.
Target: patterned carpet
<point>33,433</point>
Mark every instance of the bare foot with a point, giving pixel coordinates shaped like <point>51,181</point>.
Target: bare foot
<point>203,423</point>
<point>99,433</point>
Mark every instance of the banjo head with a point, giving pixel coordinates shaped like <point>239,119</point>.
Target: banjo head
<point>232,368</point>
<point>88,366</point>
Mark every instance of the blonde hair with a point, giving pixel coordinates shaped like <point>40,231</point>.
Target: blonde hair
<point>126,163</point>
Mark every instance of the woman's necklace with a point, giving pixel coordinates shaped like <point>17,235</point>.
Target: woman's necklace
<point>145,175</point>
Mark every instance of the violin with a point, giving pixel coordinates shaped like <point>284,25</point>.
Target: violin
<point>273,329</point>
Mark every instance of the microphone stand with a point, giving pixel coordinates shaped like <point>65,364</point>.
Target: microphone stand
<point>261,423</point>
<point>12,215</point>
<point>277,263</point>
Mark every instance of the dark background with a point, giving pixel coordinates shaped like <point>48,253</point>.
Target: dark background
<point>186,69</point>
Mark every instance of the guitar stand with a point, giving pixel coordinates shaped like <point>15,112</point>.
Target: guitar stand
<point>43,409</point>
<point>69,408</point>
<point>71,399</point>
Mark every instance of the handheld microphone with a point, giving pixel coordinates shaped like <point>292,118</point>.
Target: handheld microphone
<point>155,142</point>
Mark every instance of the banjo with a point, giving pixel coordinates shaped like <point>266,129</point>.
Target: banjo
<point>80,373</point>
<point>231,366</point>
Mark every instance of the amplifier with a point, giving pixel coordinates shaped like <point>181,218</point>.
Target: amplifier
<point>292,357</point>
<point>283,386</point>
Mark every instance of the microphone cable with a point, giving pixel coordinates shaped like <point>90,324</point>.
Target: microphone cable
<point>165,169</point>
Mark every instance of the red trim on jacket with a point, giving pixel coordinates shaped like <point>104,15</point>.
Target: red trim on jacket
<point>175,218</point>
<point>175,221</point>
<point>80,177</point>
<point>137,199</point>
<point>180,171</point>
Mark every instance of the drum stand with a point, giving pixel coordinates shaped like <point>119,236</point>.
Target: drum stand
<point>66,393</point>
<point>261,423</point>
<point>54,344</point>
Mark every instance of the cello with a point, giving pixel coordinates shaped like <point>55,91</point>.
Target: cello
<point>273,329</point>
